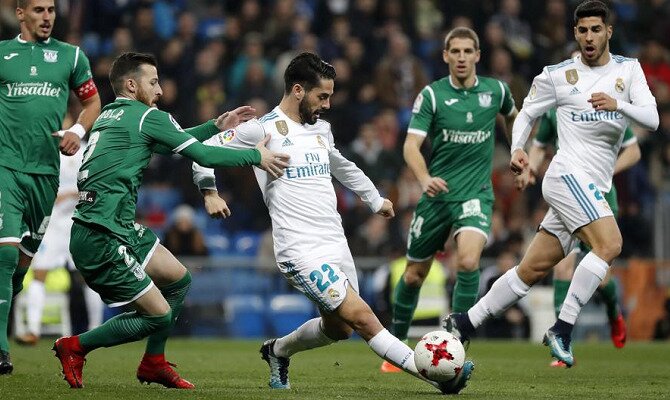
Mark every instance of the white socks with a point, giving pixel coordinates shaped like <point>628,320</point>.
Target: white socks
<point>94,307</point>
<point>309,335</point>
<point>36,295</point>
<point>393,350</point>
<point>506,291</point>
<point>588,275</point>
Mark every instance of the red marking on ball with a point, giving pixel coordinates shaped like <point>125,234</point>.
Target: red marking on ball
<point>439,351</point>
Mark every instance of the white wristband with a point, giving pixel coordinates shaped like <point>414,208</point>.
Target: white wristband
<point>76,128</point>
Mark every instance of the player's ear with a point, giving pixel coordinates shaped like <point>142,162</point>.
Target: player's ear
<point>610,29</point>
<point>298,91</point>
<point>19,14</point>
<point>131,85</point>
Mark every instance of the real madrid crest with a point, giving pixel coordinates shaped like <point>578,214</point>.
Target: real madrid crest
<point>320,141</point>
<point>282,127</point>
<point>619,86</point>
<point>571,76</point>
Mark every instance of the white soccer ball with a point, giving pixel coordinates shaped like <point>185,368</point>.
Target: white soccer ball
<point>439,356</point>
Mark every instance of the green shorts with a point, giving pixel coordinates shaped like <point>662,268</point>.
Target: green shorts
<point>434,220</point>
<point>111,267</point>
<point>613,202</point>
<point>26,201</point>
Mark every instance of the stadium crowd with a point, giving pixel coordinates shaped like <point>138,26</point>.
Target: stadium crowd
<point>217,55</point>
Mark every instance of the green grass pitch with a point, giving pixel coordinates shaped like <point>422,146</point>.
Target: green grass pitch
<point>228,369</point>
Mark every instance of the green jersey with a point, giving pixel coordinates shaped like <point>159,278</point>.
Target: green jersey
<point>121,144</point>
<point>547,132</point>
<point>35,83</point>
<point>461,126</point>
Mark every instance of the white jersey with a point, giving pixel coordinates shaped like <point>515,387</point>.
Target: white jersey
<point>589,140</point>
<point>69,168</point>
<point>302,202</point>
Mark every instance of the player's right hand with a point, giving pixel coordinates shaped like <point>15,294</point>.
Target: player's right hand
<point>387,209</point>
<point>273,163</point>
<point>433,185</point>
<point>519,161</point>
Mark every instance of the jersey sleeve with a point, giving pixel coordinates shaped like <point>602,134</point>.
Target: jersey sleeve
<point>353,178</point>
<point>160,127</point>
<point>640,95</point>
<point>422,112</point>
<point>81,72</point>
<point>540,98</point>
<point>506,102</point>
<point>244,136</point>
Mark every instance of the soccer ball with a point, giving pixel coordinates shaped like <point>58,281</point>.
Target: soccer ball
<point>439,356</point>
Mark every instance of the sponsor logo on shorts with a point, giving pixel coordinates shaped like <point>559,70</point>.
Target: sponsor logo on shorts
<point>87,197</point>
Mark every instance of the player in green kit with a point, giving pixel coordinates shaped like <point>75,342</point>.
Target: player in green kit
<point>120,259</point>
<point>37,73</point>
<point>458,114</point>
<point>546,135</point>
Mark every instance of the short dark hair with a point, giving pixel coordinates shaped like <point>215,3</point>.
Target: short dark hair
<point>461,32</point>
<point>592,8</point>
<point>306,69</point>
<point>125,64</point>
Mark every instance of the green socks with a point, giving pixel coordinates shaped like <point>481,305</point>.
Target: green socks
<point>609,294</point>
<point>560,291</point>
<point>174,293</point>
<point>405,300</point>
<point>124,328</point>
<point>9,258</point>
<point>465,291</point>
<point>17,280</point>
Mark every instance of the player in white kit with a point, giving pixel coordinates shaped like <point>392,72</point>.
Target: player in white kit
<point>54,252</point>
<point>596,94</point>
<point>309,243</point>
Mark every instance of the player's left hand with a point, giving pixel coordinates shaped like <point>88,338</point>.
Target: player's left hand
<point>215,206</point>
<point>69,143</point>
<point>231,119</point>
<point>603,102</point>
<point>387,209</point>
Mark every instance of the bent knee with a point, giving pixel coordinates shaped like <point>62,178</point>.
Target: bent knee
<point>415,274</point>
<point>467,263</point>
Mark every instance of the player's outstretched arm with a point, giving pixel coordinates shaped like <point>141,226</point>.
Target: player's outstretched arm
<point>71,137</point>
<point>348,174</point>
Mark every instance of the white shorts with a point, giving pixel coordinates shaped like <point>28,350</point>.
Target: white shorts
<point>54,251</point>
<point>574,201</point>
<point>323,279</point>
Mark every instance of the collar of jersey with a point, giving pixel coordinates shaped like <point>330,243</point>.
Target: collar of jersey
<point>580,63</point>
<point>284,116</point>
<point>18,39</point>
<point>460,88</point>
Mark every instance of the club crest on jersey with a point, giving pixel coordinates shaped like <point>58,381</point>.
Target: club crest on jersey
<point>485,99</point>
<point>50,56</point>
<point>320,141</point>
<point>532,92</point>
<point>619,86</point>
<point>282,127</point>
<point>226,136</point>
<point>571,76</point>
<point>468,118</point>
<point>33,70</point>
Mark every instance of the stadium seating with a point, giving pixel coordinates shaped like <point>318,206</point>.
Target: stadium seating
<point>287,312</point>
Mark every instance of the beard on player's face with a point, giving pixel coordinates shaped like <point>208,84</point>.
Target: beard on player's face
<point>308,114</point>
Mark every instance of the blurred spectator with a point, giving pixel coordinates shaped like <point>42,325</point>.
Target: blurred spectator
<point>517,32</point>
<point>655,64</point>
<point>183,238</point>
<point>252,51</point>
<point>501,67</point>
<point>399,77</point>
